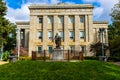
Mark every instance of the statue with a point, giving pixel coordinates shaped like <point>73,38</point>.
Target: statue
<point>57,40</point>
<point>57,52</point>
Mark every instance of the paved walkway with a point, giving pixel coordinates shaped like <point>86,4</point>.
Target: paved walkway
<point>116,63</point>
<point>3,62</point>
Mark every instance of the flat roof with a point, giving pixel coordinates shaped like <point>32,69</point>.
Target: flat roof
<point>60,6</point>
<point>23,23</point>
<point>100,22</point>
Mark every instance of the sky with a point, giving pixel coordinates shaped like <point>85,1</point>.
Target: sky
<point>18,9</point>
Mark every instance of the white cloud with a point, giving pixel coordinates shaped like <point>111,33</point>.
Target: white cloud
<point>18,14</point>
<point>100,13</point>
<point>105,7</point>
<point>54,1</point>
<point>22,14</point>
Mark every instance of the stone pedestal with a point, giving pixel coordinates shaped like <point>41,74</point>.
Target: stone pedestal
<point>57,54</point>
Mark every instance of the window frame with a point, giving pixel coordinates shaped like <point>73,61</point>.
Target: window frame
<point>50,51</point>
<point>39,51</point>
<point>40,20</point>
<point>61,35</point>
<point>49,35</point>
<point>61,19</point>
<point>50,19</point>
<point>82,34</point>
<point>82,19</point>
<point>71,37</point>
<point>40,35</point>
<point>71,19</point>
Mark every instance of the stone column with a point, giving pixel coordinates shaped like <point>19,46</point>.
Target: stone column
<point>26,38</point>
<point>77,32</point>
<point>90,28</point>
<point>106,36</point>
<point>86,28</point>
<point>55,25</point>
<point>33,21</point>
<point>45,32</point>
<point>66,33</point>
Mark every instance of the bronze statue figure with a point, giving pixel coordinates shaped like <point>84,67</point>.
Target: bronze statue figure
<point>57,40</point>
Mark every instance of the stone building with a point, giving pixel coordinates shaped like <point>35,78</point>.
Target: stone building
<point>73,22</point>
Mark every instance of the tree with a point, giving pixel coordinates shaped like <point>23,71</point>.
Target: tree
<point>114,31</point>
<point>2,20</point>
<point>6,28</point>
<point>97,47</point>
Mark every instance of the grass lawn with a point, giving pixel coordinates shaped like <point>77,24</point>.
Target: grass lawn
<point>36,70</point>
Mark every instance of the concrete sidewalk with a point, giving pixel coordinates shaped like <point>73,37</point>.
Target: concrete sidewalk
<point>3,62</point>
<point>116,63</point>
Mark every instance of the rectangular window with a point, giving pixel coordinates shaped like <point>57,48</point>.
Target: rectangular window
<point>40,35</point>
<point>82,48</point>
<point>82,34</point>
<point>21,35</point>
<point>40,20</point>
<point>71,34</point>
<point>50,35</point>
<point>81,19</point>
<point>71,19</point>
<point>50,49</point>
<point>61,34</point>
<point>61,19</point>
<point>39,49</point>
<point>50,19</point>
<point>72,48</point>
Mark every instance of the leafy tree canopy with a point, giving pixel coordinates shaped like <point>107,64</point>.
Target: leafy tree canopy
<point>114,31</point>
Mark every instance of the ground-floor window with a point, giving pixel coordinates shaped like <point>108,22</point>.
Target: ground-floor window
<point>39,49</point>
<point>72,48</point>
<point>50,49</point>
<point>82,48</point>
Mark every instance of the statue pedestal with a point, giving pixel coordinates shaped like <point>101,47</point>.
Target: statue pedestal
<point>58,54</point>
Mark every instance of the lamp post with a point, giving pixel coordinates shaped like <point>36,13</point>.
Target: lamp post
<point>18,42</point>
<point>101,31</point>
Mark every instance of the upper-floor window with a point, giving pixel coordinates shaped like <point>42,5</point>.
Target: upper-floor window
<point>40,35</point>
<point>40,19</point>
<point>71,34</point>
<point>81,19</point>
<point>50,19</point>
<point>61,34</point>
<point>82,34</point>
<point>71,19</point>
<point>61,19</point>
<point>50,35</point>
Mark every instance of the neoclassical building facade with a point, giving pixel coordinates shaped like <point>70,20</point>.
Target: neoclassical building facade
<point>73,22</point>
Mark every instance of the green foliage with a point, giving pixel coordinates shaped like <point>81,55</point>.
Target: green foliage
<point>97,48</point>
<point>5,56</point>
<point>114,31</point>
<point>6,28</point>
<point>116,12</point>
<point>24,58</point>
<point>113,59</point>
<point>91,58</point>
<point>36,70</point>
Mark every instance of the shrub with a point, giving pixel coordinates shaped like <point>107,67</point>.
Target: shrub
<point>24,58</point>
<point>91,58</point>
<point>114,59</point>
<point>5,56</point>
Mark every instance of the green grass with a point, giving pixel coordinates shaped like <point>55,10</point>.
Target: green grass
<point>36,70</point>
